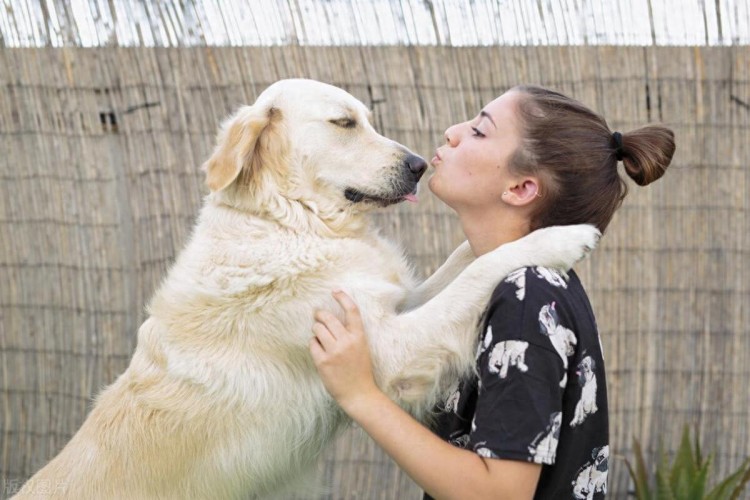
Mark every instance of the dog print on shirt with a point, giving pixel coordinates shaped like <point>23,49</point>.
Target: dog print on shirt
<point>454,396</point>
<point>552,276</point>
<point>562,338</point>
<point>461,440</point>
<point>587,380</point>
<point>485,342</point>
<point>518,278</point>
<point>483,451</point>
<point>592,477</point>
<point>544,447</point>
<point>506,354</point>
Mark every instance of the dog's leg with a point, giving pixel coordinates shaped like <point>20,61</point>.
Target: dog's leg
<point>451,268</point>
<point>421,352</point>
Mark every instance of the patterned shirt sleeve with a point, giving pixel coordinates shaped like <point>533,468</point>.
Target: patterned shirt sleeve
<point>522,363</point>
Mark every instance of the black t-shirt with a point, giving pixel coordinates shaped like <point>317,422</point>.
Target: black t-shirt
<point>539,392</point>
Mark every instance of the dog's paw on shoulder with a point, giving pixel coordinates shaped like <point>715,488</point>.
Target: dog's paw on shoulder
<point>565,245</point>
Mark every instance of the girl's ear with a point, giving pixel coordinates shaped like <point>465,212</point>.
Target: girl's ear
<point>522,193</point>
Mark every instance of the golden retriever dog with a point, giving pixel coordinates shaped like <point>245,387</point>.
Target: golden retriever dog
<point>221,398</point>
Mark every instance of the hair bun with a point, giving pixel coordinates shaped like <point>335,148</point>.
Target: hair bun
<point>647,152</point>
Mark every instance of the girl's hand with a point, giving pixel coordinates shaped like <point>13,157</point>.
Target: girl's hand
<point>341,353</point>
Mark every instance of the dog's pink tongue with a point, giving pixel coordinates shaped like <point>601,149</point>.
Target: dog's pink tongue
<point>411,197</point>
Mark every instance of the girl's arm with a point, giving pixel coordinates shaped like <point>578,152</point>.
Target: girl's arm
<point>342,357</point>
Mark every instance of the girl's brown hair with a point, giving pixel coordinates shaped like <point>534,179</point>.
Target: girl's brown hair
<point>574,154</point>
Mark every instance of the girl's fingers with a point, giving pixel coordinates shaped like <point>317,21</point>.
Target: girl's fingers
<point>316,350</point>
<point>323,335</point>
<point>350,308</point>
<point>335,327</point>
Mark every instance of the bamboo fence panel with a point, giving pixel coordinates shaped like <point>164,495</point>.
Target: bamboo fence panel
<point>100,184</point>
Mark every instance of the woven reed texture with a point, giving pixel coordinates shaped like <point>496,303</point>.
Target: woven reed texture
<point>100,184</point>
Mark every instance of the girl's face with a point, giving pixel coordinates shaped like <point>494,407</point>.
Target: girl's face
<point>471,168</point>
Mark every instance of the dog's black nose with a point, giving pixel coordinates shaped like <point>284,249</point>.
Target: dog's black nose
<point>416,165</point>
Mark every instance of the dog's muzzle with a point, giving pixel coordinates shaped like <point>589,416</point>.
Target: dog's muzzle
<point>415,165</point>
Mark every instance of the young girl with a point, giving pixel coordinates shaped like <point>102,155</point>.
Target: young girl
<point>531,422</point>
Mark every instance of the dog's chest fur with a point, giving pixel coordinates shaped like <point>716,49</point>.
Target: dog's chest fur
<point>247,294</point>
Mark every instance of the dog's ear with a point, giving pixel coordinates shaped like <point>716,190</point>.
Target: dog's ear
<point>235,145</point>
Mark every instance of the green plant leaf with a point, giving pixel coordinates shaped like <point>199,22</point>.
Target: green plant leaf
<point>686,478</point>
<point>663,489</point>
<point>699,480</point>
<point>743,481</point>
<point>731,485</point>
<point>683,468</point>
<point>639,474</point>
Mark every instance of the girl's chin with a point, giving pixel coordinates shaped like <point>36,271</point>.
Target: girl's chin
<point>434,186</point>
<point>435,190</point>
<point>431,184</point>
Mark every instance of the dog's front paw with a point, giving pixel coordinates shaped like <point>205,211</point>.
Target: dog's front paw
<point>561,246</point>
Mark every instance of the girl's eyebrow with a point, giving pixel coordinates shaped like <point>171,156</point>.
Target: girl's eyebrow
<point>485,114</point>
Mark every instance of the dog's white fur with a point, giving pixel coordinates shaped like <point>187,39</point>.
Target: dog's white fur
<point>221,399</point>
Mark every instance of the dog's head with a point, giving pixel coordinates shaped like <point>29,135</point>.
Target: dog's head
<point>601,458</point>
<point>312,143</point>
<point>586,369</point>
<point>548,319</point>
<point>555,423</point>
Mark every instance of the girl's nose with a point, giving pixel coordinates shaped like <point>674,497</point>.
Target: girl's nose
<point>451,136</point>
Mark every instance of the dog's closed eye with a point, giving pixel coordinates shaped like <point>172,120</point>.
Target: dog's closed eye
<point>344,122</point>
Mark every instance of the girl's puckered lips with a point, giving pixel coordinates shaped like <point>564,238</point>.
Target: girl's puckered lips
<point>436,158</point>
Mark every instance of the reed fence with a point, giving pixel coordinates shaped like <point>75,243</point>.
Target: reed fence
<point>100,185</point>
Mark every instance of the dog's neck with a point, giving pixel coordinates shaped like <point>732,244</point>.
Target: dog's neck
<point>297,215</point>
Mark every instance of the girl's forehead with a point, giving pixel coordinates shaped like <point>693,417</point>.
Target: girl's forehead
<point>502,110</point>
<point>504,103</point>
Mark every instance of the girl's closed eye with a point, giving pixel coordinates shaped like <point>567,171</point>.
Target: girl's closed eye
<point>477,133</point>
